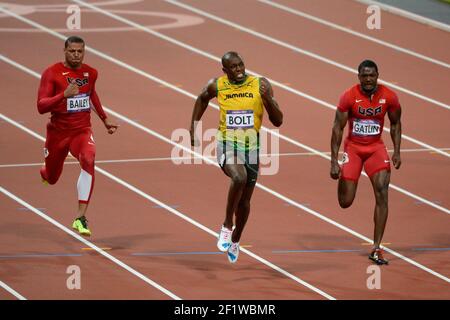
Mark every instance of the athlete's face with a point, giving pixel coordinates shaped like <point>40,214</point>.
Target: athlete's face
<point>368,78</point>
<point>74,54</point>
<point>235,69</point>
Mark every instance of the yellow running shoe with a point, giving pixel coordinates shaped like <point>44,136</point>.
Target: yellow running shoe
<point>80,224</point>
<point>44,182</point>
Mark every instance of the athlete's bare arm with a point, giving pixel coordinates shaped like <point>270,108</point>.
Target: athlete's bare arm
<point>396,135</point>
<point>208,93</point>
<point>340,120</point>
<point>271,105</point>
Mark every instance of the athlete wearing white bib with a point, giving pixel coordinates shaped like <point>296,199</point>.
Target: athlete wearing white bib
<point>242,99</point>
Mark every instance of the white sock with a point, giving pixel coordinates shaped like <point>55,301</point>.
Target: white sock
<point>84,185</point>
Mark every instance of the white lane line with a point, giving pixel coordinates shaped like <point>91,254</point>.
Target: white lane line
<point>175,88</point>
<point>81,239</point>
<point>352,32</point>
<point>205,54</point>
<point>11,290</point>
<point>407,14</point>
<point>299,50</point>
<point>158,203</point>
<point>287,154</point>
<point>163,138</point>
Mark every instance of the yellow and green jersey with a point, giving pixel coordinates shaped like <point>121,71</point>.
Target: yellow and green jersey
<point>241,112</point>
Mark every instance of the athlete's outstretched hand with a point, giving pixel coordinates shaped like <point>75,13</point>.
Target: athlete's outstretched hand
<point>335,170</point>
<point>111,127</point>
<point>396,160</point>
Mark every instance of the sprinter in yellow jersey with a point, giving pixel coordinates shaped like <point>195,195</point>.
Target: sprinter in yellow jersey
<point>242,99</point>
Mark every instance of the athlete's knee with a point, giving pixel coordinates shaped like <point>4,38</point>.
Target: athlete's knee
<point>381,195</point>
<point>50,177</point>
<point>380,188</point>
<point>87,161</point>
<point>346,193</point>
<point>345,202</point>
<point>52,180</point>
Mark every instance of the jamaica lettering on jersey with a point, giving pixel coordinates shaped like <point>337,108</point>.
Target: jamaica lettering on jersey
<point>241,112</point>
<point>239,95</point>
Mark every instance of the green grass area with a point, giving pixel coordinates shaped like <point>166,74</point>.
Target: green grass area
<point>445,1</point>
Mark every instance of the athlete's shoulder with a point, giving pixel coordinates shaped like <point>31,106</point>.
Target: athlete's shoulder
<point>390,97</point>
<point>211,88</point>
<point>220,82</point>
<point>51,71</point>
<point>212,82</point>
<point>350,93</point>
<point>90,70</point>
<point>345,99</point>
<point>261,80</point>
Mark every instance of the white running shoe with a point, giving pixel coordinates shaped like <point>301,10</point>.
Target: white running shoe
<point>224,241</point>
<point>233,252</point>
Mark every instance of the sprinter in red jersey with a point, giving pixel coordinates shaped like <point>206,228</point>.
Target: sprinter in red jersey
<point>67,91</point>
<point>364,107</point>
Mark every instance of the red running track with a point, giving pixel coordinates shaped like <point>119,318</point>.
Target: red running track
<point>131,225</point>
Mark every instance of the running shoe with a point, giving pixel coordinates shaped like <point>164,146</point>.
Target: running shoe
<point>377,257</point>
<point>233,252</point>
<point>80,225</point>
<point>224,241</point>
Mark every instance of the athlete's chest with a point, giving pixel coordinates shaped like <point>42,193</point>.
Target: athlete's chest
<point>369,107</point>
<point>247,93</point>
<point>81,78</point>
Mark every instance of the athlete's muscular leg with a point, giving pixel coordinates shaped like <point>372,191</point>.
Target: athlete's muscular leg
<point>83,148</point>
<point>242,212</point>
<point>56,151</point>
<point>238,175</point>
<point>346,192</point>
<point>352,164</point>
<point>380,183</point>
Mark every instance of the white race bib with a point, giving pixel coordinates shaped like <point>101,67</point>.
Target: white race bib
<point>240,119</point>
<point>366,127</point>
<point>78,103</point>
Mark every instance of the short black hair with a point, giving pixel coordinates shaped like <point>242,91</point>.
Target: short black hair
<point>228,55</point>
<point>73,39</point>
<point>367,64</point>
